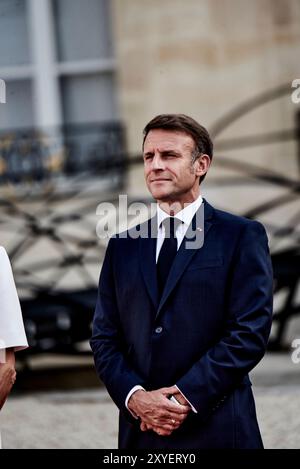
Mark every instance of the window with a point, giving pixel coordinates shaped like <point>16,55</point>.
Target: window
<point>84,60</point>
<point>18,111</point>
<point>82,29</point>
<point>88,98</point>
<point>66,87</point>
<point>14,48</point>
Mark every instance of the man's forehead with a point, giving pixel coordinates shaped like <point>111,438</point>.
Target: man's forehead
<point>167,139</point>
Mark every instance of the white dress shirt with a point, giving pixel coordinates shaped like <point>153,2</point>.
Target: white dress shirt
<point>12,333</point>
<point>185,215</point>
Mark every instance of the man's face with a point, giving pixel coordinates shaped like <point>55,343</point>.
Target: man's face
<point>169,172</point>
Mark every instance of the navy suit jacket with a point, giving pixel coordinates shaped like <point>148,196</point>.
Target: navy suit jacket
<point>205,333</point>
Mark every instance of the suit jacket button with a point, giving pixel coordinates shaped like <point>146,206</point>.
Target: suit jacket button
<point>158,330</point>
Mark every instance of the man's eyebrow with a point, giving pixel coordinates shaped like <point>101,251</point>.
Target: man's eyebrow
<point>164,152</point>
<point>174,152</point>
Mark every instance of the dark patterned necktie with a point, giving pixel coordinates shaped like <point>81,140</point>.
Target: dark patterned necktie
<point>168,251</point>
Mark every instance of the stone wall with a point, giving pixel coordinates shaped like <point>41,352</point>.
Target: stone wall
<point>204,58</point>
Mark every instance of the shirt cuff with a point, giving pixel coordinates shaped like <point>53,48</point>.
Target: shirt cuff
<point>192,407</point>
<point>135,388</point>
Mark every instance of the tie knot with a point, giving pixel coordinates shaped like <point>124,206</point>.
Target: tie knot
<point>170,224</point>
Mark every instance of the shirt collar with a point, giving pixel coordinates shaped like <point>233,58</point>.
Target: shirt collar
<point>185,215</point>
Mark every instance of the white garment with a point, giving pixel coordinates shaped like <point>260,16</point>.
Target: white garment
<point>12,333</point>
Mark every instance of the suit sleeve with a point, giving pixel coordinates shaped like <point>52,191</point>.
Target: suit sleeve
<point>246,330</point>
<point>107,341</point>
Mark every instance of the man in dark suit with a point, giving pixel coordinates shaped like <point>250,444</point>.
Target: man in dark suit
<point>184,309</point>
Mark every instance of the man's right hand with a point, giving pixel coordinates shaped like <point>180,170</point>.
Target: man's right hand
<point>156,411</point>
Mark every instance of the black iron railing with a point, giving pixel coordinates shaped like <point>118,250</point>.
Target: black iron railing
<point>31,155</point>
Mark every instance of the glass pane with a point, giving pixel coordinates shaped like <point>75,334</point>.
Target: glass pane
<point>82,29</point>
<point>14,48</point>
<point>88,98</point>
<point>18,110</point>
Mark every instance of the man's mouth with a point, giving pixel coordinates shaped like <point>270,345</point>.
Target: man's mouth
<point>160,180</point>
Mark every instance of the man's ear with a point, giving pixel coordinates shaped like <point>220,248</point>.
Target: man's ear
<point>202,165</point>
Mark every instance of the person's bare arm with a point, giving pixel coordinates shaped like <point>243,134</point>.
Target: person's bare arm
<point>7,376</point>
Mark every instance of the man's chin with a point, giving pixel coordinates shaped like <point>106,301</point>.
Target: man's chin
<point>160,195</point>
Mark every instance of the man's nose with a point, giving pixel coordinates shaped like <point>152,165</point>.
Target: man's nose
<point>157,162</point>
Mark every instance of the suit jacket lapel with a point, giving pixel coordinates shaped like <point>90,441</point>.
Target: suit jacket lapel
<point>147,254</point>
<point>195,234</point>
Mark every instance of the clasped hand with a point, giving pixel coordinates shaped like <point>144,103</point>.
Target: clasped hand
<point>157,412</point>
